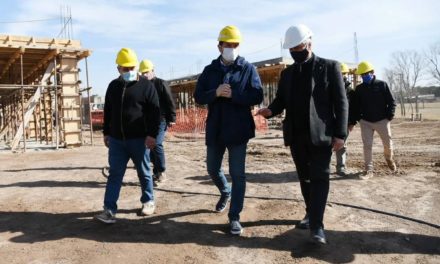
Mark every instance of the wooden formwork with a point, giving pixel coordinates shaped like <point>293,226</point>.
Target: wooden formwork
<point>269,71</point>
<point>40,91</point>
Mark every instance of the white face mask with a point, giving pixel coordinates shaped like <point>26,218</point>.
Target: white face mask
<point>230,54</point>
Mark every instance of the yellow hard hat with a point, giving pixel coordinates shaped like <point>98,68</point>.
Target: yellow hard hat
<point>364,67</point>
<point>344,68</point>
<point>230,34</point>
<point>146,66</point>
<point>126,58</point>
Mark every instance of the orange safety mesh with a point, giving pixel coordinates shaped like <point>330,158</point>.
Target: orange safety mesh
<point>191,123</point>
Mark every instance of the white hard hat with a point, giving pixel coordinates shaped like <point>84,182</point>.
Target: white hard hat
<point>296,35</point>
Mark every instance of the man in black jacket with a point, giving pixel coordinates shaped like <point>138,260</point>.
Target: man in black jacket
<point>341,154</point>
<point>373,106</point>
<point>131,124</point>
<point>312,93</point>
<point>168,118</point>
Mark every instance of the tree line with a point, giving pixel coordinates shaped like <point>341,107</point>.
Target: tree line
<point>407,69</point>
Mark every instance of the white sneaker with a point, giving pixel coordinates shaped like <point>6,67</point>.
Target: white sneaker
<point>148,208</point>
<point>367,175</point>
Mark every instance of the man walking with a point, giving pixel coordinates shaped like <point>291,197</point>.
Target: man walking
<point>167,119</point>
<point>373,106</point>
<point>341,154</point>
<point>131,124</point>
<point>312,92</point>
<point>229,86</point>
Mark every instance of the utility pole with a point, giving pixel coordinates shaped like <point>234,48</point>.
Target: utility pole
<point>356,52</point>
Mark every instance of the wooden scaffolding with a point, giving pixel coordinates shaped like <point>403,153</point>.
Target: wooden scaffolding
<point>269,71</point>
<point>40,91</point>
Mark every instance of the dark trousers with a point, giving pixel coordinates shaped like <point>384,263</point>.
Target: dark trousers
<point>157,155</point>
<point>313,168</point>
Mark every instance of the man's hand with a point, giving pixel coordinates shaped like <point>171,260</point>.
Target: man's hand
<point>224,90</point>
<point>350,128</point>
<point>337,144</point>
<point>106,141</point>
<point>150,142</point>
<point>265,112</point>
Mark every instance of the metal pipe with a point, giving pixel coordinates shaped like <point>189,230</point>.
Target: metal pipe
<point>56,102</point>
<point>22,102</point>
<point>39,114</point>
<point>80,117</point>
<point>18,86</point>
<point>88,97</point>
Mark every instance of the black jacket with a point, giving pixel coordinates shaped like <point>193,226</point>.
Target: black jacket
<point>372,102</point>
<point>166,102</point>
<point>328,108</point>
<point>131,110</point>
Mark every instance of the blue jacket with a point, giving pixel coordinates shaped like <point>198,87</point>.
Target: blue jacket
<point>229,120</point>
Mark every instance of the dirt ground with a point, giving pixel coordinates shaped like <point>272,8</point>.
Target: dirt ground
<point>48,199</point>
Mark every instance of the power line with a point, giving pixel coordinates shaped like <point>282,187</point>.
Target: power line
<point>27,21</point>
<point>262,49</point>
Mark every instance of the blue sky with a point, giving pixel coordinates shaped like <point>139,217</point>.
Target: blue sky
<point>180,37</point>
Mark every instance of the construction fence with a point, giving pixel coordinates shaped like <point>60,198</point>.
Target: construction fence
<point>191,123</point>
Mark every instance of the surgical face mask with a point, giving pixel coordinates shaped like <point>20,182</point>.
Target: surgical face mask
<point>299,56</point>
<point>367,78</point>
<point>230,54</point>
<point>129,76</point>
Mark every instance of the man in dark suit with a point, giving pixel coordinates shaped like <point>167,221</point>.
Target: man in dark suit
<point>312,92</point>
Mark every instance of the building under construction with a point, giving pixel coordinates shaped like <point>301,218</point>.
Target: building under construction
<point>40,95</point>
<point>191,117</point>
<point>269,71</point>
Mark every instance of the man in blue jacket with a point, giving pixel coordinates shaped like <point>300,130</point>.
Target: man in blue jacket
<point>229,86</point>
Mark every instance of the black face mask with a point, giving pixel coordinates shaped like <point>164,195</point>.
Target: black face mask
<point>299,56</point>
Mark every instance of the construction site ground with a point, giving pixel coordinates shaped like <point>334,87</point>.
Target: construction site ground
<point>48,199</point>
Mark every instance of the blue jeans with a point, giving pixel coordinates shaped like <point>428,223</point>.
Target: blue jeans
<point>237,160</point>
<point>157,155</point>
<point>119,153</point>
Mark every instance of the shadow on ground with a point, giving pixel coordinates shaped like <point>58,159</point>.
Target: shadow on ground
<point>174,228</point>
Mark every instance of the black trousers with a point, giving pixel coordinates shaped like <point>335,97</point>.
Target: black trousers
<point>313,168</point>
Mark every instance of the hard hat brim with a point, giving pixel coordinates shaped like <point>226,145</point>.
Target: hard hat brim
<point>358,72</point>
<point>236,40</point>
<point>128,64</point>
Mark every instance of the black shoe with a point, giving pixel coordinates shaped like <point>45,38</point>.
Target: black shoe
<point>318,236</point>
<point>304,223</point>
<point>221,205</point>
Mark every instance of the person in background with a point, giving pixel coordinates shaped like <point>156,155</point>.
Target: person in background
<point>167,115</point>
<point>373,106</point>
<point>341,154</point>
